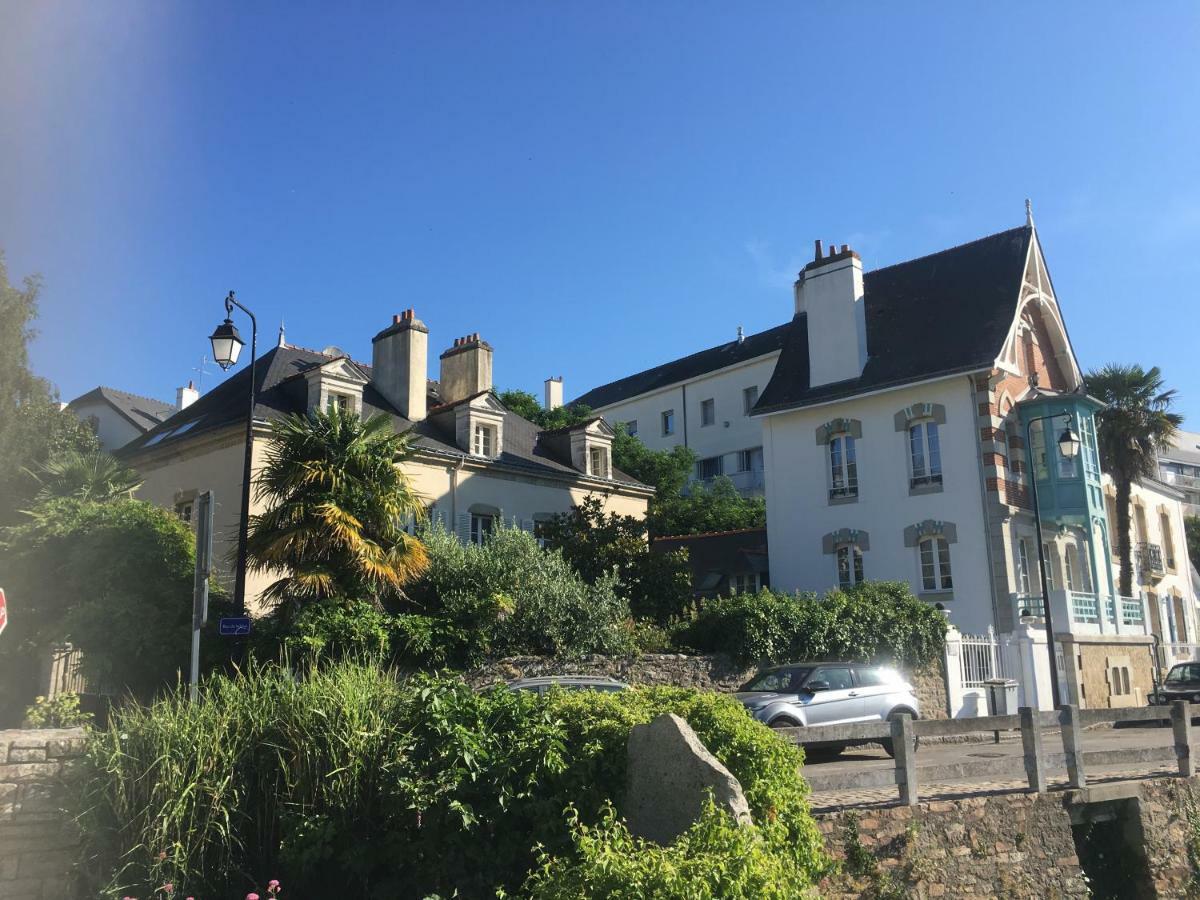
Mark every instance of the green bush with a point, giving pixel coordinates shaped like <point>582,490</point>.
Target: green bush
<point>875,621</point>
<point>356,784</point>
<point>61,711</point>
<point>328,629</point>
<point>508,597</point>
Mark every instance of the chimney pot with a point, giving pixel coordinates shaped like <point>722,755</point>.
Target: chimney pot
<point>845,248</point>
<point>817,245</point>
<point>395,320</point>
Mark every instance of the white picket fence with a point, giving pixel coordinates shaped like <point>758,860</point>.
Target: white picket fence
<point>984,656</point>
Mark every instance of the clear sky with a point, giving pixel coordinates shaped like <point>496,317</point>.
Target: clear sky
<point>593,187</point>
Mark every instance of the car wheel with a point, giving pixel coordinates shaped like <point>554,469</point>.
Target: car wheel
<point>784,722</point>
<point>888,747</point>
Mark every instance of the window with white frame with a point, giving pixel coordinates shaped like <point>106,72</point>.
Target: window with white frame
<point>341,403</point>
<point>935,564</point>
<point>1070,565</point>
<point>711,467</point>
<point>849,565</point>
<point>482,525</point>
<point>708,411</point>
<point>924,454</point>
<point>598,462</point>
<point>750,460</point>
<point>1023,566</point>
<point>484,440</point>
<point>668,422</point>
<point>746,583</point>
<point>1168,545</point>
<point>843,467</point>
<point>630,427</point>
<point>749,398</point>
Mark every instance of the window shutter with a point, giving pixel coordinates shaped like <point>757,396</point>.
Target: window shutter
<point>462,527</point>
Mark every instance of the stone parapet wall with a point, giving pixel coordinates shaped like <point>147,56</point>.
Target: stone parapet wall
<point>1170,814</point>
<point>38,844</point>
<point>1009,845</point>
<point>713,672</point>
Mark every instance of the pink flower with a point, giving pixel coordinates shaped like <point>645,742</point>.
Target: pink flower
<point>273,883</point>
<point>252,896</point>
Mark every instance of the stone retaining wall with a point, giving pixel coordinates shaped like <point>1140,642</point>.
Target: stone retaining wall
<point>714,672</point>
<point>38,845</point>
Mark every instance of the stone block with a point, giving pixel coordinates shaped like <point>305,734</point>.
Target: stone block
<point>670,775</point>
<point>27,773</point>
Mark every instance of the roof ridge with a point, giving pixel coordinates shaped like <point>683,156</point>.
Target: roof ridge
<point>978,240</point>
<point>105,387</point>
<point>678,537</point>
<point>328,356</point>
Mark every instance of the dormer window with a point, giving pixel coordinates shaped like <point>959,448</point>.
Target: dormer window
<point>342,403</point>
<point>335,385</point>
<point>598,461</point>
<point>485,441</point>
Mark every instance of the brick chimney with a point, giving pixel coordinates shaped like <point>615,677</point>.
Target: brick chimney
<point>830,293</point>
<point>466,368</point>
<point>554,392</point>
<point>400,364</point>
<point>186,396</point>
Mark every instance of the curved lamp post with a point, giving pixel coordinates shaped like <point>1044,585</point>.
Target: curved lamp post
<point>227,346</point>
<point>1068,446</point>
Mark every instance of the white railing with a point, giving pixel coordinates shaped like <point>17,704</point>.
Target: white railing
<point>982,658</point>
<point>1085,608</point>
<point>1133,611</point>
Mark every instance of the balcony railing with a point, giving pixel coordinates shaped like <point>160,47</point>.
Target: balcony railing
<point>1133,611</point>
<point>1085,608</point>
<point>1191,482</point>
<point>1150,560</point>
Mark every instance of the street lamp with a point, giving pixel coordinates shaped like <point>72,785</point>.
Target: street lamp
<point>1068,446</point>
<point>227,346</point>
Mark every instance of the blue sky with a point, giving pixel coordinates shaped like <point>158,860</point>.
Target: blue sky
<point>595,188</point>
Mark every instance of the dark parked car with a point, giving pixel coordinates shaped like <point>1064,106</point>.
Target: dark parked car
<point>1181,683</point>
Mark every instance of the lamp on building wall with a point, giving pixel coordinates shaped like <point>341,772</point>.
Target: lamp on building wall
<point>227,347</point>
<point>1068,446</point>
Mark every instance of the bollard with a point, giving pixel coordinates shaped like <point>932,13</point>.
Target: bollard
<point>906,758</point>
<point>1031,742</point>
<point>1181,724</point>
<point>1072,738</point>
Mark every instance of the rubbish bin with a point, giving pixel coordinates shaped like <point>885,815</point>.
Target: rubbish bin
<point>1001,696</point>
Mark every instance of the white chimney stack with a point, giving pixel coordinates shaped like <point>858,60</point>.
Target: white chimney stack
<point>186,396</point>
<point>830,293</point>
<point>400,364</point>
<point>554,392</point>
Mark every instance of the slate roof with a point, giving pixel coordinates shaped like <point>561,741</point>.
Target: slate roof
<point>715,556</point>
<point>689,367</point>
<point>281,392</point>
<point>938,315</point>
<point>143,412</point>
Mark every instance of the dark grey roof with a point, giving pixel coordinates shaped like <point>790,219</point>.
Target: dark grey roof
<point>281,393</point>
<point>938,315</point>
<point>689,367</point>
<point>143,412</point>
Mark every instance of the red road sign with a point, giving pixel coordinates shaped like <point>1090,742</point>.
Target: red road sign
<point>3,611</point>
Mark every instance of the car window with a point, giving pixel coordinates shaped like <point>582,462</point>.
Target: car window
<point>837,677</point>
<point>780,680</point>
<point>869,677</point>
<point>1187,673</point>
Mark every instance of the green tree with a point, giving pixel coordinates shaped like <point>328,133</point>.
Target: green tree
<point>113,579</point>
<point>657,585</point>
<point>716,506</point>
<point>93,475</point>
<point>526,405</point>
<point>1133,430</point>
<point>338,504</point>
<point>1191,525</point>
<point>32,427</point>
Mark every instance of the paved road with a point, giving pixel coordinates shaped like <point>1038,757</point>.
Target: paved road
<point>832,776</point>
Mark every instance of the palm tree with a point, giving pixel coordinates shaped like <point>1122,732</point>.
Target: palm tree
<point>1133,429</point>
<point>337,506</point>
<point>85,475</point>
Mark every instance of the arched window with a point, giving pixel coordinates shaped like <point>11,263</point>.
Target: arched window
<point>935,564</point>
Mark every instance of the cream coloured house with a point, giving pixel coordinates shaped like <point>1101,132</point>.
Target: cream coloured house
<point>475,463</point>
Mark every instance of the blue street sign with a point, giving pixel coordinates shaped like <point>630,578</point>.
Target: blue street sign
<point>236,625</point>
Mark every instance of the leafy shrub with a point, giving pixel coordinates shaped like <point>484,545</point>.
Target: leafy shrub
<point>875,621</point>
<point>506,597</point>
<point>715,858</point>
<point>329,629</point>
<point>61,711</point>
<point>356,784</point>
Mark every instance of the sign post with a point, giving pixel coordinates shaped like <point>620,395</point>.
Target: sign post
<point>200,589</point>
<point>3,611</point>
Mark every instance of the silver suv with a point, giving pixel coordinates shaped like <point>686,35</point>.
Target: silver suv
<point>827,693</point>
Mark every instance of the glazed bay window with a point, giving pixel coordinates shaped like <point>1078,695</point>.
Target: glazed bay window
<point>935,564</point>
<point>484,441</point>
<point>668,422</point>
<point>481,526</point>
<point>708,412</point>
<point>843,467</point>
<point>849,565</point>
<point>924,454</point>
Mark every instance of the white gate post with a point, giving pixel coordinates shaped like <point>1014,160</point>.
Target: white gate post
<point>954,671</point>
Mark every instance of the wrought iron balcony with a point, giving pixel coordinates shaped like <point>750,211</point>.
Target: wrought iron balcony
<point>1150,561</point>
